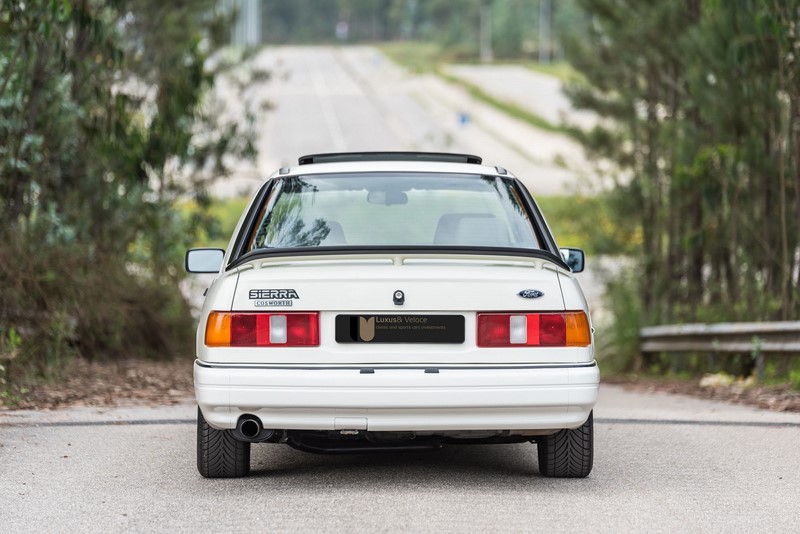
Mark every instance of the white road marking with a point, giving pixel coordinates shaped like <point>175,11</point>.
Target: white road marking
<point>328,113</point>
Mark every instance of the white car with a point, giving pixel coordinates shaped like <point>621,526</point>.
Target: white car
<point>390,301</point>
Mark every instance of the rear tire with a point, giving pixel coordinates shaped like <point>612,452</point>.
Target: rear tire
<point>219,455</point>
<point>568,453</point>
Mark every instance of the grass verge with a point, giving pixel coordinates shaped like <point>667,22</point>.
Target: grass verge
<point>560,69</point>
<point>590,223</point>
<point>427,58</point>
<point>417,57</point>
<point>216,221</point>
<point>506,107</point>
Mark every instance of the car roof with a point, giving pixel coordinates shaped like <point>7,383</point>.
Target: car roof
<point>417,162</point>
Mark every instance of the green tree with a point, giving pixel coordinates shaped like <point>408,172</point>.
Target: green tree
<point>701,106</point>
<point>105,124</point>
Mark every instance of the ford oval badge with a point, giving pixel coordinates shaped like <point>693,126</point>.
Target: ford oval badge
<point>530,294</point>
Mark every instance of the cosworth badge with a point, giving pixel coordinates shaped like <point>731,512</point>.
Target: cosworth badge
<point>265,298</point>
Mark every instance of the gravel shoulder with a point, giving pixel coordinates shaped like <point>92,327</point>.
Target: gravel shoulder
<point>102,384</point>
<point>778,398</point>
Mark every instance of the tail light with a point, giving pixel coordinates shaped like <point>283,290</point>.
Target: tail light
<point>560,329</point>
<point>226,329</point>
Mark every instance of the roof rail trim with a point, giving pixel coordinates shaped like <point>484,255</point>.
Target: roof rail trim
<point>339,157</point>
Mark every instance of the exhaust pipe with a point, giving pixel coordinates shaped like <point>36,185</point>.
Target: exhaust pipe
<point>250,429</point>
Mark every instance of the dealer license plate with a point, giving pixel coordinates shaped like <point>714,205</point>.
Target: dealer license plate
<point>400,328</point>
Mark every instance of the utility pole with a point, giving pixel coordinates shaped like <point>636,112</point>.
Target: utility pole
<point>545,22</point>
<point>247,27</point>
<point>487,56</point>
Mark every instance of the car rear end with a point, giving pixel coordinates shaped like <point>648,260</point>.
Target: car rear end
<point>463,352</point>
<point>406,304</point>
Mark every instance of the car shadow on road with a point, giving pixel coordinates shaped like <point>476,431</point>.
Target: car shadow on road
<point>463,465</point>
<point>505,460</point>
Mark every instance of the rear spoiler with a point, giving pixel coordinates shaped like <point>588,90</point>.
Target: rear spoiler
<point>342,157</point>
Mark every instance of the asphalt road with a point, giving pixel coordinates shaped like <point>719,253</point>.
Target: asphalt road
<point>662,464</point>
<point>331,99</point>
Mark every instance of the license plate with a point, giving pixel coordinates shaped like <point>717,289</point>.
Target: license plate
<point>400,328</point>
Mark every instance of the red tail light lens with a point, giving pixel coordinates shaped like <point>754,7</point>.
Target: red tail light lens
<point>303,329</point>
<point>561,329</point>
<point>553,330</point>
<point>244,330</point>
<point>225,329</point>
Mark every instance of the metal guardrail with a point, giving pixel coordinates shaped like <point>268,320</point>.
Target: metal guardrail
<point>722,337</point>
<point>756,339</point>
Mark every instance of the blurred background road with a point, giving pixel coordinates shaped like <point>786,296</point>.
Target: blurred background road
<point>350,99</point>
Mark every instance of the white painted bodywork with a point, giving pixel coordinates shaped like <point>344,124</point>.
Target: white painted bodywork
<point>396,399</point>
<point>374,387</point>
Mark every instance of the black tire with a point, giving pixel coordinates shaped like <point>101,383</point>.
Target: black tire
<point>567,453</point>
<point>219,455</point>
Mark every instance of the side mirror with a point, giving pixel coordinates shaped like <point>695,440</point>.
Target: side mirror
<point>204,260</point>
<point>574,257</point>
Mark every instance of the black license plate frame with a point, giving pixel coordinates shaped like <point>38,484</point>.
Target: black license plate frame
<point>402,328</point>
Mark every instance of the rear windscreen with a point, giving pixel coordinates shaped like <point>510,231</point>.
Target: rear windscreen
<point>393,209</point>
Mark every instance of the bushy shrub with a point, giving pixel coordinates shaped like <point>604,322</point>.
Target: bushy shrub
<point>61,300</point>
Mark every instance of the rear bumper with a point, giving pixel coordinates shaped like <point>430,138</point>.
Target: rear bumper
<point>398,399</point>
